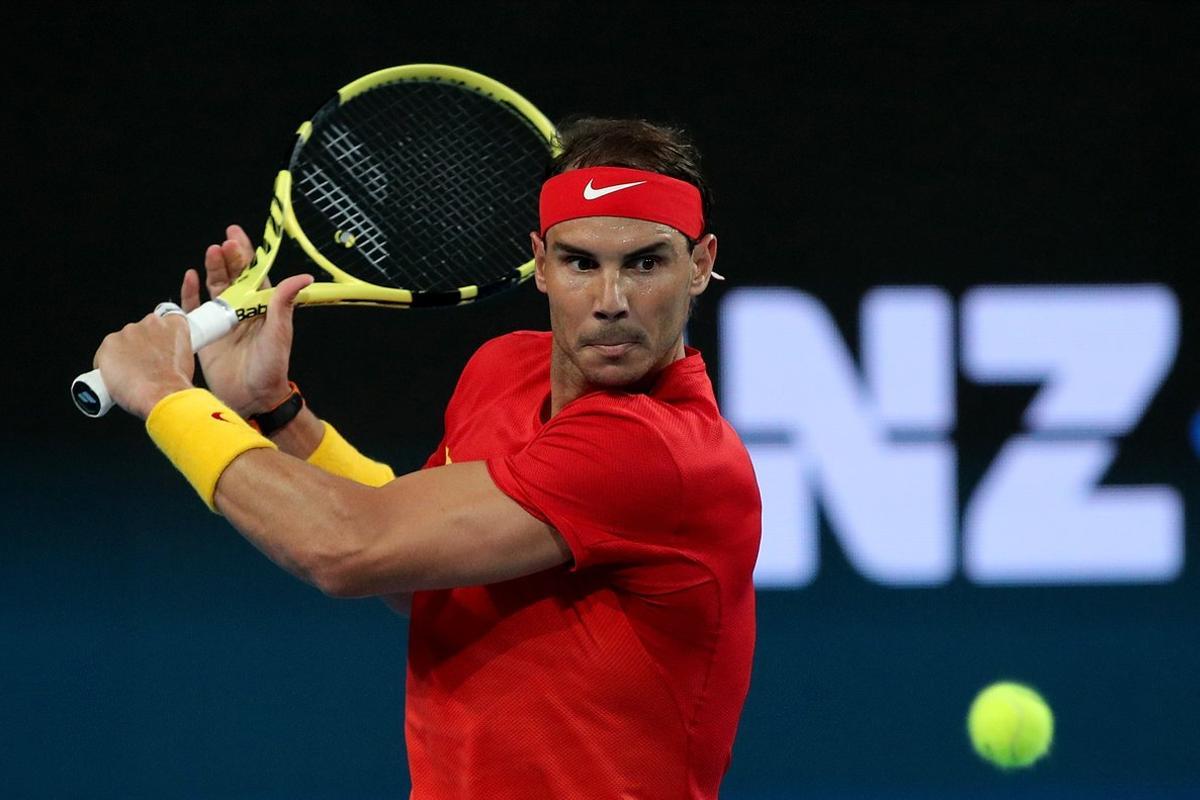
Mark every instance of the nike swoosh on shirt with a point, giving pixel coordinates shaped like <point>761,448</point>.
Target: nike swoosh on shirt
<point>592,193</point>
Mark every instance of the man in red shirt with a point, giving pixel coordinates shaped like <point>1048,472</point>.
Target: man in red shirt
<point>580,546</point>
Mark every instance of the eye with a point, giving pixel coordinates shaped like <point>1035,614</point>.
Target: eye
<point>581,263</point>
<point>646,263</point>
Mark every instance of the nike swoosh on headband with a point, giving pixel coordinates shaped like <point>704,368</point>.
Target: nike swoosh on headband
<point>591,193</point>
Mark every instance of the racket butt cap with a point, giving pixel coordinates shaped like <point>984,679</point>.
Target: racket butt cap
<point>90,394</point>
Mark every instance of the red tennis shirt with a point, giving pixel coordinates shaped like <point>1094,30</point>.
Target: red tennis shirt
<point>621,674</point>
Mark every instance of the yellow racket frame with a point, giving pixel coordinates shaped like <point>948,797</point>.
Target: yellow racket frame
<point>245,295</point>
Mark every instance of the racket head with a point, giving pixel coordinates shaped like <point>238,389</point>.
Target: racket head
<point>415,186</point>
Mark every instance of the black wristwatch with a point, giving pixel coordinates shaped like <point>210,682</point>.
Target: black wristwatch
<point>271,421</point>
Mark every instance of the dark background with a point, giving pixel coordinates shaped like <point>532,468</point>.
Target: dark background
<point>147,651</point>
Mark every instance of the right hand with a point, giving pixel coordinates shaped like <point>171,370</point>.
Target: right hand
<point>248,369</point>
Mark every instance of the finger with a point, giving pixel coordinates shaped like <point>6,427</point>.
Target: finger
<point>173,320</point>
<point>239,244</point>
<point>189,292</point>
<point>234,257</point>
<point>216,270</point>
<point>238,257</point>
<point>283,303</point>
<point>236,234</point>
<point>183,332</point>
<point>167,308</point>
<point>105,343</point>
<point>181,343</point>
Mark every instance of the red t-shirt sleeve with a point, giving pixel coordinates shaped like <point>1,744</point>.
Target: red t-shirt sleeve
<point>438,457</point>
<point>602,475</point>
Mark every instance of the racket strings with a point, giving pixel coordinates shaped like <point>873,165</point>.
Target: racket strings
<point>328,197</point>
<point>473,198</point>
<point>421,185</point>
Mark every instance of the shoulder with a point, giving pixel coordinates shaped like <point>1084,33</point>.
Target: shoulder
<point>634,413</point>
<point>597,464</point>
<point>610,431</point>
<point>667,424</point>
<point>512,352</point>
<point>505,370</point>
<point>683,438</point>
<point>515,343</point>
<point>619,432</point>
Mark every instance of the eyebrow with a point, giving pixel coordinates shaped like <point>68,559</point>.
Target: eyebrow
<point>650,249</point>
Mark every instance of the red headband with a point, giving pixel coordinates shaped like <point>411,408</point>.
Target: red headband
<point>621,192</point>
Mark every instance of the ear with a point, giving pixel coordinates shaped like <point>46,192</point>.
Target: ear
<point>539,261</point>
<point>704,256</point>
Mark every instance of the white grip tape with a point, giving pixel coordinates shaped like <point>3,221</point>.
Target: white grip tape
<point>206,324</point>
<point>210,322</point>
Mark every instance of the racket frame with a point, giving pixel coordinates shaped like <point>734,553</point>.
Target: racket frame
<point>246,297</point>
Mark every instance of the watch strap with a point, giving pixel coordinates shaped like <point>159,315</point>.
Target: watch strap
<point>271,421</point>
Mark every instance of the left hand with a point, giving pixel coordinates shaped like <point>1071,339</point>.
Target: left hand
<point>248,369</point>
<point>146,361</point>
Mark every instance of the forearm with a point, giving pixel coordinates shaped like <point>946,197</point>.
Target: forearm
<point>309,438</point>
<point>301,517</point>
<point>431,529</point>
<point>301,436</point>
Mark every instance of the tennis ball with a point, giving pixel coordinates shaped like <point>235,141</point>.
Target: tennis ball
<point>1010,725</point>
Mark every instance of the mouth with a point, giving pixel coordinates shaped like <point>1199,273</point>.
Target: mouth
<point>615,350</point>
<point>612,343</point>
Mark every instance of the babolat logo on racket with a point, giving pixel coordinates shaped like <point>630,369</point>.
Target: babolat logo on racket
<point>247,313</point>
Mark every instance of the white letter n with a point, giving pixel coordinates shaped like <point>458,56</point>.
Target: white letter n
<point>871,448</point>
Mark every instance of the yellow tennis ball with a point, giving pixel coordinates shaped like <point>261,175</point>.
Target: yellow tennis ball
<point>1010,725</point>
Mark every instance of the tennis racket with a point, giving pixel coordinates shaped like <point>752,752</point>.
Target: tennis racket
<point>416,186</point>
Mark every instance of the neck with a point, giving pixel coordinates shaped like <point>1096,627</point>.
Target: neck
<point>568,383</point>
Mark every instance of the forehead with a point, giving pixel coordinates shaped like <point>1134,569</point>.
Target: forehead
<point>614,234</point>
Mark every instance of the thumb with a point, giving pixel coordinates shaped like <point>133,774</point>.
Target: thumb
<point>283,303</point>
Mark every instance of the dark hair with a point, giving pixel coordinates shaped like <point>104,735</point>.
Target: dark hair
<point>635,144</point>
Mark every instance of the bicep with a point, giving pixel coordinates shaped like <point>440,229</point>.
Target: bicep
<point>446,527</point>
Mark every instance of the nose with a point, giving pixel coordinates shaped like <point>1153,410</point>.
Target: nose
<point>611,302</point>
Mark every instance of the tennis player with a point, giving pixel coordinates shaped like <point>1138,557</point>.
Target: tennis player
<point>580,546</point>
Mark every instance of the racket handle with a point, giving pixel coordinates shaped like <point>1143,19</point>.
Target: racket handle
<point>207,324</point>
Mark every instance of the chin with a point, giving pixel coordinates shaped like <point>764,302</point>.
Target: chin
<point>615,376</point>
<point>611,379</point>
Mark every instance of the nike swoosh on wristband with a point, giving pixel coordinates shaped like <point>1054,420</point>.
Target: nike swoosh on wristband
<point>591,193</point>
<point>217,415</point>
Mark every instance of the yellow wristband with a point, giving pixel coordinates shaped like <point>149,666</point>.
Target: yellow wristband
<point>338,457</point>
<point>201,436</point>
